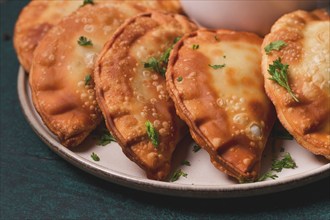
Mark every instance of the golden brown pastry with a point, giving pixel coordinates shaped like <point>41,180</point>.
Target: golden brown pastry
<point>61,81</point>
<point>298,49</point>
<point>131,93</point>
<point>215,81</point>
<point>39,16</point>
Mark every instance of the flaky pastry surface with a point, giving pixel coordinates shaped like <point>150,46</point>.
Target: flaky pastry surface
<point>215,81</point>
<point>61,74</point>
<point>39,16</point>
<point>307,52</point>
<point>129,94</point>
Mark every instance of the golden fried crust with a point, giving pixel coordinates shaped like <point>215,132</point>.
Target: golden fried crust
<point>39,16</point>
<point>129,94</point>
<point>226,109</point>
<point>61,95</point>
<point>307,54</point>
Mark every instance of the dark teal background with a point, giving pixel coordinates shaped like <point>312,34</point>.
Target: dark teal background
<point>37,184</point>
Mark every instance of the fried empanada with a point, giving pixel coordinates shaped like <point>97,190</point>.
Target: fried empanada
<point>131,90</point>
<point>39,16</point>
<point>61,82</point>
<point>215,81</point>
<point>298,48</point>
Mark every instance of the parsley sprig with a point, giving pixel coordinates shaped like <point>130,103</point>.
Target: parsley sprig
<point>285,163</point>
<point>277,165</point>
<point>83,41</point>
<point>177,174</point>
<point>276,45</point>
<point>152,133</point>
<point>160,65</point>
<point>279,73</point>
<point>106,138</point>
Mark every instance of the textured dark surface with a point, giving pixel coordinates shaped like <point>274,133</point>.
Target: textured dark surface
<point>37,184</point>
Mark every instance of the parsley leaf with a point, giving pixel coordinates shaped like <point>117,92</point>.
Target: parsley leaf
<point>177,174</point>
<point>83,41</point>
<point>86,2</point>
<point>152,134</point>
<point>267,175</point>
<point>106,138</point>
<point>195,46</point>
<point>196,148</point>
<point>279,132</point>
<point>87,79</point>
<point>95,157</point>
<point>186,163</point>
<point>176,40</point>
<point>217,66</point>
<point>286,162</point>
<point>276,45</point>
<point>160,65</point>
<point>179,79</point>
<point>154,64</point>
<point>279,73</point>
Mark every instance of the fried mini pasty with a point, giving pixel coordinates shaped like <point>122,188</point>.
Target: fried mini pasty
<point>61,73</point>
<point>131,91</point>
<point>215,81</point>
<point>302,58</point>
<point>39,16</point>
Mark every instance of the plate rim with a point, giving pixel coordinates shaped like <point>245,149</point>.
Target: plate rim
<point>159,187</point>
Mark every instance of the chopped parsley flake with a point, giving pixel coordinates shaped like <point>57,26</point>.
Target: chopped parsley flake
<point>95,157</point>
<point>152,134</point>
<point>83,41</point>
<point>186,163</point>
<point>276,45</point>
<point>179,79</point>
<point>196,148</point>
<point>217,66</point>
<point>88,79</point>
<point>86,2</point>
<point>216,38</point>
<point>279,73</point>
<point>195,46</point>
<point>177,174</point>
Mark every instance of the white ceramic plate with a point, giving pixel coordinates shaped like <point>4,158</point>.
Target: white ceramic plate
<point>203,179</point>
